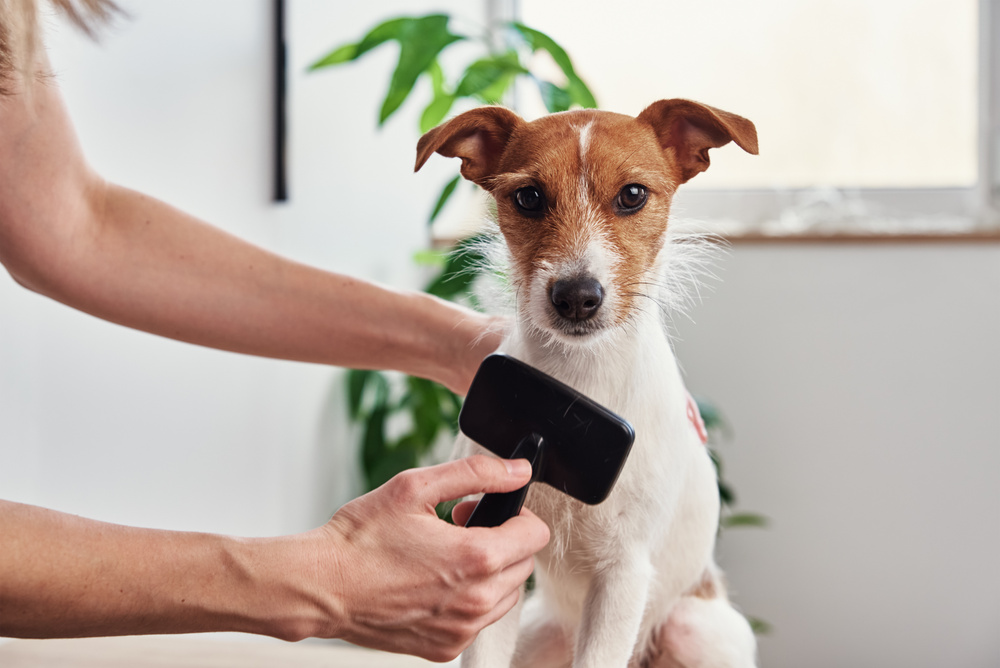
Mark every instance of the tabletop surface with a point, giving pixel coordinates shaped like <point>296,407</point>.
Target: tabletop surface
<point>193,652</point>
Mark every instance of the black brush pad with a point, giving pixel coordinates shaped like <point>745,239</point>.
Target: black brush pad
<point>575,444</point>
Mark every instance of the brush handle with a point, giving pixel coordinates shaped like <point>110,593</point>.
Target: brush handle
<point>496,508</point>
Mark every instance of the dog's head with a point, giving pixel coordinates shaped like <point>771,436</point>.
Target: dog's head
<point>583,198</point>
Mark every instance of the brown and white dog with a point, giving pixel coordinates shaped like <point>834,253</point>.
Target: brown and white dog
<point>583,199</point>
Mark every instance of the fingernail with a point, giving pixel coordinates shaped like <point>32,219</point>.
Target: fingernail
<point>518,467</point>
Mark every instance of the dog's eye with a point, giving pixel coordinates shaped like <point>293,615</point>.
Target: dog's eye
<point>631,198</point>
<point>529,200</point>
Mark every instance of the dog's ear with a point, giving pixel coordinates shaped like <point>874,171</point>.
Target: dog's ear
<point>478,137</point>
<point>688,129</point>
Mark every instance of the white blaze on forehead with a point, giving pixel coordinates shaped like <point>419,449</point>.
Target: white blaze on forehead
<point>584,133</point>
<point>587,247</point>
<point>584,143</point>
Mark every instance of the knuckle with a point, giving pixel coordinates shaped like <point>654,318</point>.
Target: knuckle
<point>451,641</point>
<point>483,563</point>
<point>481,605</point>
<point>462,634</point>
<point>443,653</point>
<point>406,485</point>
<point>477,604</point>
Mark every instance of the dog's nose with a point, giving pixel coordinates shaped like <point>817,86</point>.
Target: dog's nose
<point>577,298</point>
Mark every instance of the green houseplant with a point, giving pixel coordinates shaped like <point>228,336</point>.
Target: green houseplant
<point>426,410</point>
<point>377,400</point>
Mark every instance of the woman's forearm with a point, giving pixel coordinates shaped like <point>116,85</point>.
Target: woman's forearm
<point>384,572</point>
<point>134,260</point>
<point>65,576</point>
<point>155,268</point>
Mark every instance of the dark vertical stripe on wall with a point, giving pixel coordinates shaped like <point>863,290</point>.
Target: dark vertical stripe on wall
<point>280,105</point>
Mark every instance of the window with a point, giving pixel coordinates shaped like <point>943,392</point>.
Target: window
<point>874,117</point>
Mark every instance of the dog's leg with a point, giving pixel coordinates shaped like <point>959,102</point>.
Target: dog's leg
<point>703,633</point>
<point>548,645</point>
<point>544,640</point>
<point>494,647</point>
<point>612,613</point>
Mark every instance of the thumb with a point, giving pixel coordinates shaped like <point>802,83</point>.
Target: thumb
<point>472,475</point>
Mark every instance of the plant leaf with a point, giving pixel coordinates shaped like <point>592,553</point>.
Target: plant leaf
<point>426,412</point>
<point>464,264</point>
<point>576,89</point>
<point>373,441</point>
<point>536,39</point>
<point>436,75</point>
<point>430,257</point>
<point>441,103</point>
<point>389,464</point>
<point>383,32</point>
<point>373,444</point>
<point>435,112</point>
<point>494,94</point>
<point>726,495</point>
<point>444,509</point>
<point>580,93</point>
<point>709,413</point>
<point>443,198</point>
<point>357,381</point>
<point>555,98</point>
<point>759,626</point>
<point>743,520</point>
<point>341,54</point>
<point>420,41</point>
<point>451,407</point>
<point>486,73</point>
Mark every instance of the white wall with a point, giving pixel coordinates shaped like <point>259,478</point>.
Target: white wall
<point>862,382</point>
<point>176,101</point>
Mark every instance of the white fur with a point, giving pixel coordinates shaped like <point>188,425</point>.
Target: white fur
<point>615,573</point>
<point>612,582</point>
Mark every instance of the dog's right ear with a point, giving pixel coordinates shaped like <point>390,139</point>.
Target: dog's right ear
<point>478,137</point>
<point>686,130</point>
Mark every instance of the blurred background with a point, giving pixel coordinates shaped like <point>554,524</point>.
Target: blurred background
<point>850,339</point>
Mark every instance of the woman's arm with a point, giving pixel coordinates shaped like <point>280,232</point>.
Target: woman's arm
<point>131,259</point>
<point>385,572</point>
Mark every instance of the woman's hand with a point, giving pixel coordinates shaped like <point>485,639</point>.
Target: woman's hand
<point>402,580</point>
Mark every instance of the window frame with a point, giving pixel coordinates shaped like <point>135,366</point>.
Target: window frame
<point>894,214</point>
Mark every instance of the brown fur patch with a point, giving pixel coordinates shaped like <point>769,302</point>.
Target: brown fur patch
<point>708,587</point>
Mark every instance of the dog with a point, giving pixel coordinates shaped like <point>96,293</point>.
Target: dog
<point>582,203</point>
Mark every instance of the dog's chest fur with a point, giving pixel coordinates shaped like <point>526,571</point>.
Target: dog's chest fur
<point>659,502</point>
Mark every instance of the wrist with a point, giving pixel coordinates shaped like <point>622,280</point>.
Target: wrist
<point>285,586</point>
<point>483,336</point>
<point>459,339</point>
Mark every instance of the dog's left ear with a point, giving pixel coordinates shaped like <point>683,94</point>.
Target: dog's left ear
<point>688,129</point>
<point>478,137</point>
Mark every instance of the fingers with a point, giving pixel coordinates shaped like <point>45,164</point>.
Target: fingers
<point>462,477</point>
<point>460,513</point>
<point>529,529</point>
<point>509,584</point>
<point>514,541</point>
<point>517,574</point>
<point>503,607</point>
<point>524,535</point>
